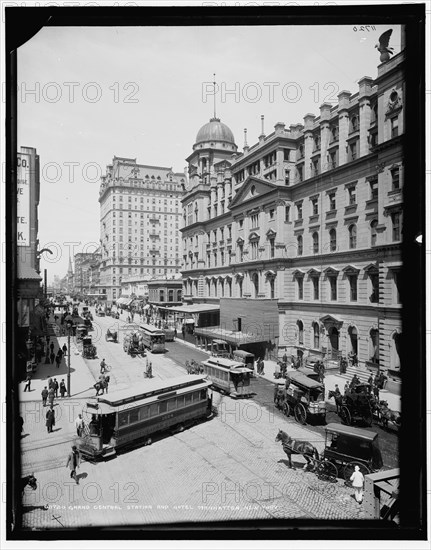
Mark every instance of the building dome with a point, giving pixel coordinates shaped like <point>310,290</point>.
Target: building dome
<point>214,130</point>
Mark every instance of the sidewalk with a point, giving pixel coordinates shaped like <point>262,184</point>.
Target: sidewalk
<point>394,400</point>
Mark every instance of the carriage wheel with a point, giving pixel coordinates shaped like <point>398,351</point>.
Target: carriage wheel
<point>327,471</point>
<point>368,419</point>
<point>300,413</point>
<point>345,415</point>
<point>286,409</point>
<point>350,468</point>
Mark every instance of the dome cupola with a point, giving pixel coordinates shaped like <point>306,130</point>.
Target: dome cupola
<point>215,131</point>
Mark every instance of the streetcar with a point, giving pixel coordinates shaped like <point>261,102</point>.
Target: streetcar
<point>153,338</point>
<point>227,376</point>
<point>244,357</point>
<point>130,417</point>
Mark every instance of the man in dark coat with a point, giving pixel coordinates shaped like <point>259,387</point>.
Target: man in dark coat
<point>50,419</point>
<point>64,348</point>
<point>55,387</point>
<point>52,356</point>
<point>27,382</point>
<point>44,396</point>
<point>51,347</point>
<point>58,360</point>
<point>63,388</point>
<point>73,462</point>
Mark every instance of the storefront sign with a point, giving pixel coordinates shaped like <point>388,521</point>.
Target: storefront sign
<point>23,198</point>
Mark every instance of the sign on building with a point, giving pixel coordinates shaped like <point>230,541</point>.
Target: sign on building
<point>23,199</point>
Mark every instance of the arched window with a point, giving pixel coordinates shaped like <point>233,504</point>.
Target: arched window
<point>208,288</point>
<point>352,236</point>
<point>300,326</point>
<point>316,336</point>
<point>315,242</point>
<point>255,281</point>
<point>373,228</point>
<point>333,240</point>
<point>222,288</point>
<point>240,288</point>
<point>300,245</point>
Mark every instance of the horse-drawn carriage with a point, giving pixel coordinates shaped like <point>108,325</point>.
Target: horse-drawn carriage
<point>302,396</point>
<point>89,350</point>
<point>357,405</point>
<point>345,448</point>
<point>133,343</point>
<point>111,336</point>
<point>81,331</point>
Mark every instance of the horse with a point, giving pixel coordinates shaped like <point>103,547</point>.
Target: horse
<point>337,397</point>
<point>29,480</point>
<point>293,446</point>
<point>102,385</point>
<point>388,415</point>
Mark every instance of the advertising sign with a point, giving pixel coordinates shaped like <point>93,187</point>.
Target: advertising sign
<point>23,198</point>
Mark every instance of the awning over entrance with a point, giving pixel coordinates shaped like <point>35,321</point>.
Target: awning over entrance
<point>332,320</point>
<point>236,338</point>
<point>192,309</point>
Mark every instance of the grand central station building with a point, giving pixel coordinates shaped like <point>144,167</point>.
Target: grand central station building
<point>298,238</point>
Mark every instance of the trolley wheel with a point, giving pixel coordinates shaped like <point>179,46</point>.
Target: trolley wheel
<point>327,471</point>
<point>300,413</point>
<point>345,415</point>
<point>286,409</point>
<point>350,468</point>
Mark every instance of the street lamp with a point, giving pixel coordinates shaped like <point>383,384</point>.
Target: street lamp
<point>69,324</point>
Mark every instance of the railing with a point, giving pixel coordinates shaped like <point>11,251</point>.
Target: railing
<point>381,495</point>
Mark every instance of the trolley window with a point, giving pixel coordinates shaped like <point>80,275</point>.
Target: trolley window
<point>180,401</point>
<point>133,415</point>
<point>196,396</point>
<point>154,409</point>
<point>203,395</point>
<point>144,413</point>
<point>163,407</point>
<point>172,404</point>
<point>188,398</point>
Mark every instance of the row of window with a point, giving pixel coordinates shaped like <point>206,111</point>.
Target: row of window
<point>223,288</point>
<point>333,293</point>
<point>155,409</point>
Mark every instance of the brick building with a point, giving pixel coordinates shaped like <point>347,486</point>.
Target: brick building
<point>139,223</point>
<point>309,217</point>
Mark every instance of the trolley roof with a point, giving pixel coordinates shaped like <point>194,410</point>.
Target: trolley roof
<point>224,363</point>
<point>350,430</point>
<point>150,388</point>
<point>303,380</point>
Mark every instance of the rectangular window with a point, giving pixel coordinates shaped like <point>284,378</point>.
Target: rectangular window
<point>315,287</point>
<point>299,211</point>
<point>395,173</point>
<point>315,206</point>
<point>300,288</point>
<point>394,127</point>
<point>374,190</point>
<point>287,214</point>
<point>333,288</point>
<point>271,248</point>
<point>332,203</point>
<point>300,173</point>
<point>353,280</point>
<point>396,226</point>
<point>374,298</point>
<point>352,195</point>
<point>154,409</point>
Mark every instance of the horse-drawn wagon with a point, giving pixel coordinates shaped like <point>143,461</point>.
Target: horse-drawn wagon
<point>133,343</point>
<point>356,405</point>
<point>345,448</point>
<point>89,350</point>
<point>111,336</point>
<point>302,396</point>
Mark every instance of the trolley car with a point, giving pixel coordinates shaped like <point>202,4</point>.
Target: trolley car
<point>230,377</point>
<point>128,418</point>
<point>153,338</point>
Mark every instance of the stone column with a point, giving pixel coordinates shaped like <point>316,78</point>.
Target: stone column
<point>325,114</point>
<point>308,144</point>
<point>343,125</point>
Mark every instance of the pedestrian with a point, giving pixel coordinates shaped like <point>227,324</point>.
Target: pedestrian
<point>64,348</point>
<point>27,382</point>
<point>102,366</point>
<point>51,347</point>
<point>371,380</point>
<point>44,394</point>
<point>175,333</point>
<point>52,356</point>
<point>62,388</point>
<point>79,425</point>
<point>58,360</point>
<point>50,383</point>
<point>51,395</point>
<point>376,392</point>
<point>73,462</point>
<point>357,479</point>
<point>55,386</point>
<point>346,388</point>
<point>262,367</point>
<point>50,419</point>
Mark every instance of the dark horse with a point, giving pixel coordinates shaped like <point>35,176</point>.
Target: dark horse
<point>28,480</point>
<point>338,399</point>
<point>102,385</point>
<point>293,446</point>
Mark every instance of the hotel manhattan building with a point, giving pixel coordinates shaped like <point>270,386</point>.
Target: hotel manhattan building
<point>298,237</point>
<point>140,215</point>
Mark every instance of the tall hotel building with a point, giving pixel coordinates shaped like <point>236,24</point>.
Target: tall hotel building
<point>298,238</point>
<point>140,214</point>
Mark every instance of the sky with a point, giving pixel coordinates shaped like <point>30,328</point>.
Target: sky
<point>86,94</point>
